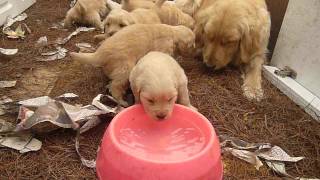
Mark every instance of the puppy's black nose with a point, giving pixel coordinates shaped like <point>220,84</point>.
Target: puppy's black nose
<point>161,116</point>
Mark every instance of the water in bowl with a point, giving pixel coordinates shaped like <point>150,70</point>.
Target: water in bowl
<point>162,141</point>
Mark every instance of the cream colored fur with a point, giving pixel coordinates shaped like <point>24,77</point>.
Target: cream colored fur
<point>235,32</point>
<point>87,12</point>
<point>167,12</point>
<point>130,5</point>
<point>119,18</point>
<point>118,54</point>
<point>157,82</point>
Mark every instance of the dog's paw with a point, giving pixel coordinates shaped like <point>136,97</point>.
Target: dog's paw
<point>252,93</point>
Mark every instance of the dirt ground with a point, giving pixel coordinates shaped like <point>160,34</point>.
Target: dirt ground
<point>216,94</point>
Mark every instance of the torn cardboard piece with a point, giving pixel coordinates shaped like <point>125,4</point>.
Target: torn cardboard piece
<point>74,33</point>
<point>68,96</point>
<point>16,34</point>
<point>36,102</point>
<point>241,144</point>
<point>245,155</point>
<point>85,47</point>
<point>280,168</point>
<point>8,52</point>
<point>51,114</point>
<point>42,42</point>
<point>11,21</point>
<point>278,154</point>
<point>84,161</point>
<point>7,84</point>
<point>106,103</point>
<point>58,25</point>
<point>23,142</point>
<point>60,53</point>
<point>274,156</point>
<point>46,118</point>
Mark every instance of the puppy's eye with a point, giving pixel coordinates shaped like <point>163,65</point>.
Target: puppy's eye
<point>122,25</point>
<point>150,101</point>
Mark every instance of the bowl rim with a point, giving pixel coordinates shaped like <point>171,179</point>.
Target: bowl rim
<point>207,148</point>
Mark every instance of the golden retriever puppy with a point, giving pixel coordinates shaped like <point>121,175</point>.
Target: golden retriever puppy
<point>157,82</point>
<point>188,6</point>
<point>119,18</point>
<point>172,15</point>
<point>118,54</point>
<point>236,32</point>
<point>167,12</point>
<point>86,12</point>
<point>130,5</point>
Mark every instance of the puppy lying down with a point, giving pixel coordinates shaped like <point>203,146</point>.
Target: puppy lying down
<point>118,54</point>
<point>157,82</point>
<point>86,12</point>
<point>167,12</point>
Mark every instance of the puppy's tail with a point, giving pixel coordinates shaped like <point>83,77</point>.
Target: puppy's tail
<point>159,3</point>
<point>86,58</point>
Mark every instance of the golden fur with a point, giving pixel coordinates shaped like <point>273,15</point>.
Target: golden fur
<point>167,12</point>
<point>130,5</point>
<point>119,18</point>
<point>157,82</point>
<point>172,15</point>
<point>235,32</point>
<point>118,54</point>
<point>87,12</point>
<point>188,6</point>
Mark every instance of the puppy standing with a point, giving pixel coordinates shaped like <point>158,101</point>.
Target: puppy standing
<point>157,82</point>
<point>235,32</point>
<point>118,54</point>
<point>86,12</point>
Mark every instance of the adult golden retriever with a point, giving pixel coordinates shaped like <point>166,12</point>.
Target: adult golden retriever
<point>235,32</point>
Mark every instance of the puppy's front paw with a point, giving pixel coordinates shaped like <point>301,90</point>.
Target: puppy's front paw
<point>252,93</point>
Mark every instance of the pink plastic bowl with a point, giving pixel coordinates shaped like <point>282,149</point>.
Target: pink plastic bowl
<point>135,147</point>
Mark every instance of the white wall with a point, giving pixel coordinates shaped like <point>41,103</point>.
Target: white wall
<point>13,8</point>
<point>298,44</point>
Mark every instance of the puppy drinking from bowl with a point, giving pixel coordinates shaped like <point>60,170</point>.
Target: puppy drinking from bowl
<point>87,12</point>
<point>157,82</point>
<point>118,54</point>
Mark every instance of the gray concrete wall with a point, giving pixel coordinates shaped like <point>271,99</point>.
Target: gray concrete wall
<point>298,44</point>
